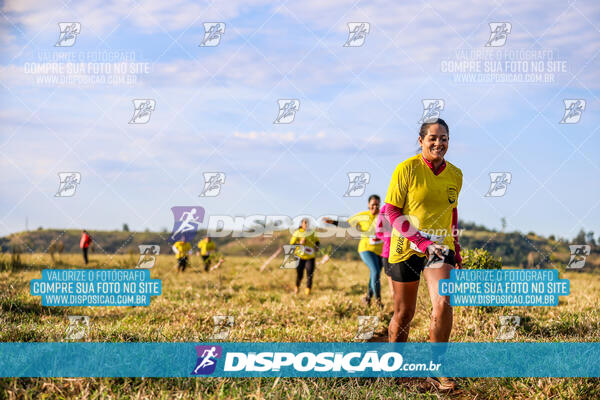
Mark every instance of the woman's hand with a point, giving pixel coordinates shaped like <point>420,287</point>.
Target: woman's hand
<point>327,220</point>
<point>302,240</point>
<point>437,250</point>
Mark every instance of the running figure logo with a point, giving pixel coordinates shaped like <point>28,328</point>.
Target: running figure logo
<point>68,183</point>
<point>186,222</point>
<point>212,34</point>
<point>212,184</point>
<point>142,109</point>
<point>287,111</point>
<point>357,34</point>
<point>578,254</point>
<point>431,109</point>
<point>573,110</point>
<point>222,327</point>
<point>290,259</point>
<point>508,327</point>
<point>207,359</point>
<point>79,326</point>
<point>499,183</point>
<point>148,253</point>
<point>498,34</point>
<point>68,33</point>
<point>366,327</point>
<point>357,183</point>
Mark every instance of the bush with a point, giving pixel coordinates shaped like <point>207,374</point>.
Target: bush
<point>480,259</point>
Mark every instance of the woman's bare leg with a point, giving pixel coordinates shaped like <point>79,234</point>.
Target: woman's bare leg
<point>391,283</point>
<point>405,302</point>
<point>441,314</point>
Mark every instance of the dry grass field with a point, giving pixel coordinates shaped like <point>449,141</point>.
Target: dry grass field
<point>265,310</point>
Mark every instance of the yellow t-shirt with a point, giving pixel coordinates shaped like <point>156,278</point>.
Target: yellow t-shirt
<point>309,249</point>
<point>206,247</point>
<point>368,241</point>
<point>182,249</point>
<point>426,200</point>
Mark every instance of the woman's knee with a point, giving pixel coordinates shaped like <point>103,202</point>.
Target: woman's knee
<point>441,307</point>
<point>404,315</point>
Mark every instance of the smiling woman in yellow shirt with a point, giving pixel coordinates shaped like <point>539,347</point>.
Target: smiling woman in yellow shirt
<point>421,205</point>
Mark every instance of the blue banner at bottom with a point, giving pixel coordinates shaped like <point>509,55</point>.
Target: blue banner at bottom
<point>240,359</point>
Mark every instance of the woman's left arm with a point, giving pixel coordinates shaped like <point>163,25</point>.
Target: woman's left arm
<point>457,257</point>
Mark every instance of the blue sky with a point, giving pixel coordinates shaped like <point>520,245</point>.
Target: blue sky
<point>359,108</point>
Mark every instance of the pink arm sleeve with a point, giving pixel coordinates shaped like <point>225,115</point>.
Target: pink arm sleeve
<point>457,256</point>
<point>380,225</point>
<point>402,225</point>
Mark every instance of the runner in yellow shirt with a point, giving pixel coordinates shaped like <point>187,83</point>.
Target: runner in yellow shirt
<point>205,248</point>
<point>422,199</point>
<point>308,245</point>
<point>182,249</point>
<point>369,246</point>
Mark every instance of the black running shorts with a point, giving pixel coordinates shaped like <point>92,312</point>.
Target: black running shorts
<point>386,266</point>
<point>410,270</point>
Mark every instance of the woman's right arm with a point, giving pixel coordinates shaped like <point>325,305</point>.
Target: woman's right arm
<point>402,225</point>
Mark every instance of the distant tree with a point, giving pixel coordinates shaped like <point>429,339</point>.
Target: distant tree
<point>41,229</point>
<point>589,238</point>
<point>552,237</point>
<point>503,222</point>
<point>580,238</point>
<point>125,228</point>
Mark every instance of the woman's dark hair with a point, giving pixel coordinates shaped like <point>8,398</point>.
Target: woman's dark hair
<point>374,196</point>
<point>432,121</point>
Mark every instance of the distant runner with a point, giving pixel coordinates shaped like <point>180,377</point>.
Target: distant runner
<point>369,246</point>
<point>205,248</point>
<point>84,243</point>
<point>182,249</point>
<point>383,230</point>
<point>308,245</point>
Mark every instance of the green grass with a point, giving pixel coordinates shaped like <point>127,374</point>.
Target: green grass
<point>265,310</point>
